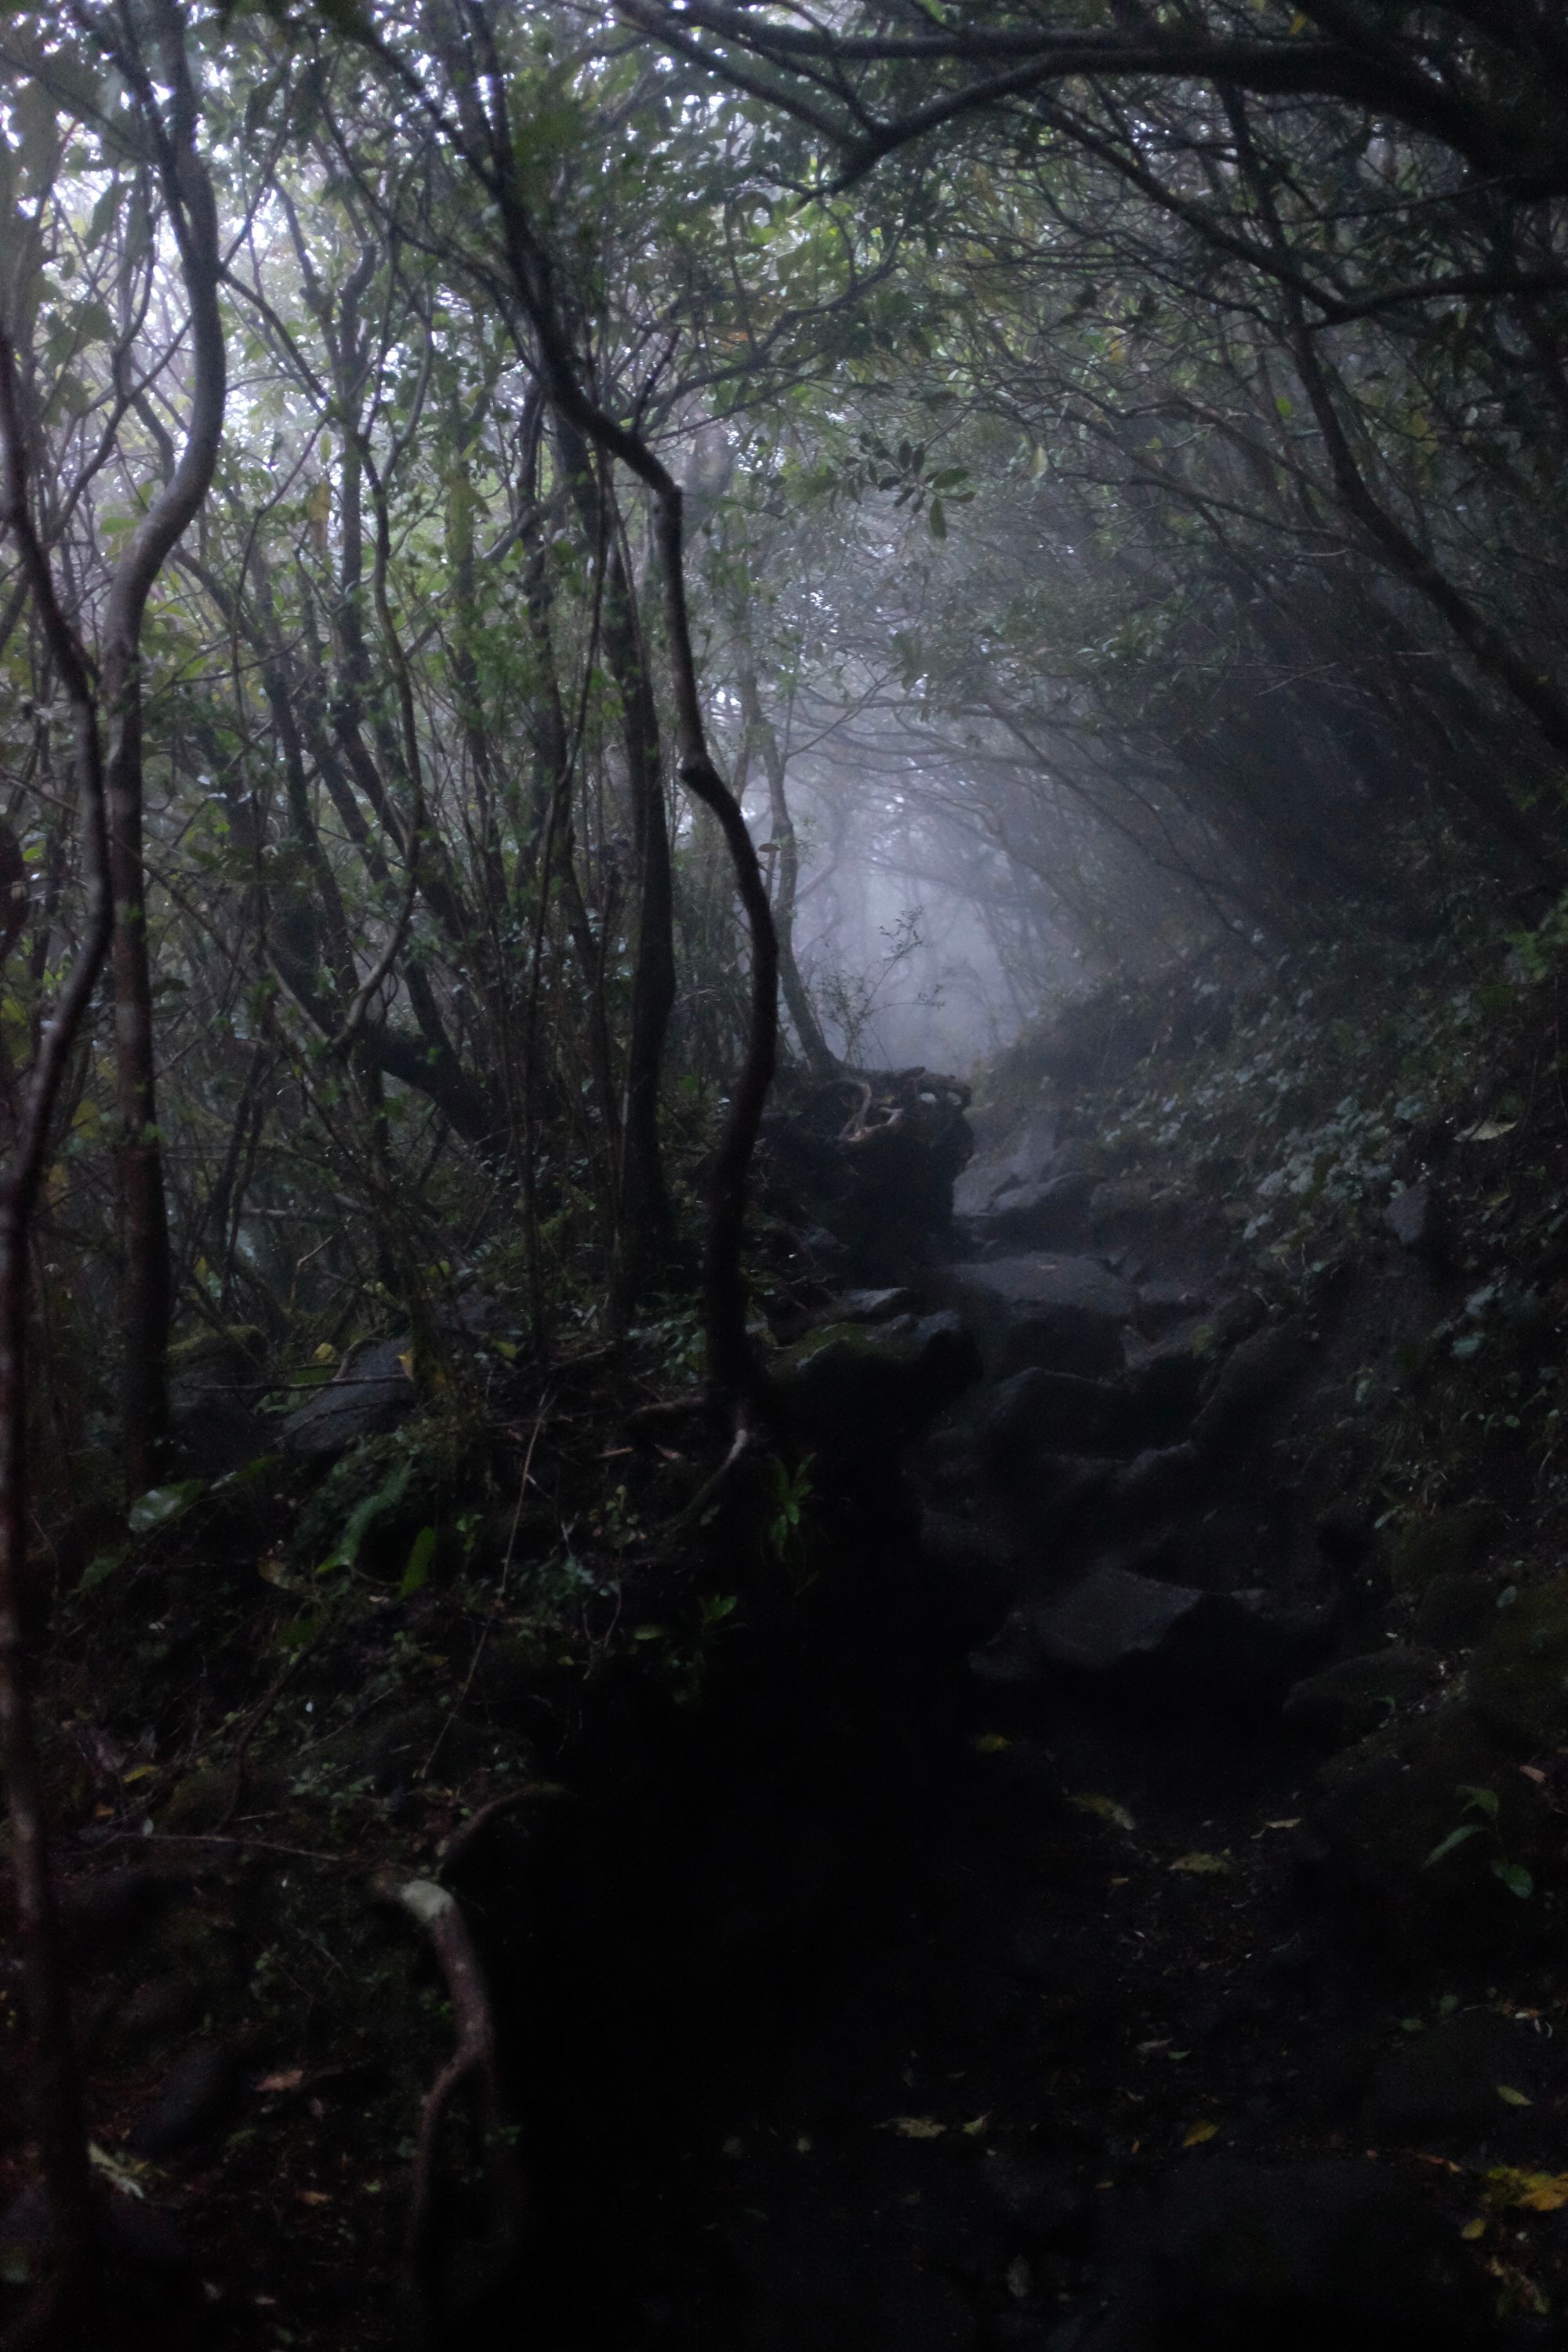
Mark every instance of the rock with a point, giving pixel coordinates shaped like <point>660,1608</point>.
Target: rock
<point>1121,1629</point>
<point>1128,1208</point>
<point>1054,1411</point>
<point>1455,1610</point>
<point>1252,1379</point>
<point>1300,2256</point>
<point>1164,1388</point>
<point>1065,1314</point>
<point>1418,1221</point>
<point>1442,1543</point>
<point>1045,1214</point>
<point>853,1384</point>
<point>1519,1676</point>
<point>1022,1160</point>
<point>872,1306</point>
<point>1358,1696</point>
<point>213,1381</point>
<point>1159,1479</point>
<point>1165,1300</point>
<point>1447,2080</point>
<point>370,1394</point>
<point>1383,1806</point>
<point>195,2098</point>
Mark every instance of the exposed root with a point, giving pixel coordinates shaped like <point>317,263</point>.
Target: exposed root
<point>475,2062</point>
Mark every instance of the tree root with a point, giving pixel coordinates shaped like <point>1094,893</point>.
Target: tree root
<point>475,2062</point>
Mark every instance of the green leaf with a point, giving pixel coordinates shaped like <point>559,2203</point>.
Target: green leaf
<point>1479,1800</point>
<point>1454,1838</point>
<point>938,519</point>
<point>160,1505</point>
<point>421,1553</point>
<point>1516,1878</point>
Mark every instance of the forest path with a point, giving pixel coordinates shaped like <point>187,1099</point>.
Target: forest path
<point>1062,2060</point>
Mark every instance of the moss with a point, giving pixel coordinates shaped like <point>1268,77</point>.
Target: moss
<point>1520,1678</point>
<point>1386,1804</point>
<point>1442,1543</point>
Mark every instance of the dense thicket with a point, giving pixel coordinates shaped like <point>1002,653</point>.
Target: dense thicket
<point>1077,480</point>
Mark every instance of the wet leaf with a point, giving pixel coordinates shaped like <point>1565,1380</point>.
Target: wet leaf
<point>1474,2230</point>
<point>1106,1808</point>
<point>160,1505</point>
<point>422,1551</point>
<point>1512,2098</point>
<point>991,1743</point>
<point>1529,2192</point>
<point>973,2129</point>
<point>1197,2136</point>
<point>915,2128</point>
<point>1202,1865</point>
<point>1488,1130</point>
<point>288,2080</point>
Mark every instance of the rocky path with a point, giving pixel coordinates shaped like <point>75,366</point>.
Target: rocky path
<point>1062,2010</point>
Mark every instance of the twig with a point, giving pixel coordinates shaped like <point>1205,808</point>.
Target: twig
<point>464,1835</point>
<point>254,1722</point>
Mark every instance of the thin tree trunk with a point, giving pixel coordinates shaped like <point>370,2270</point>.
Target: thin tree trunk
<point>147,1299</point>
<point>54,2085</point>
<point>819,1055</point>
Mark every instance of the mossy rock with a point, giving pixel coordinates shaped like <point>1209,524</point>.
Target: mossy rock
<point>1442,1543</point>
<point>1519,1680</point>
<point>1457,1609</point>
<point>851,1382</point>
<point>1385,1805</point>
<point>1358,1696</point>
<point>385,1489</point>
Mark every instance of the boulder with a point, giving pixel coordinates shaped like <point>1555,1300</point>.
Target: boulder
<point>1442,1543</point>
<point>1167,1299</point>
<point>215,1381</point>
<point>872,1306</point>
<point>1163,1388</point>
<point>1447,2080</point>
<point>1519,1676</point>
<point>1252,1379</point>
<point>1042,1214</point>
<point>1358,1696</point>
<point>1022,1160</point>
<point>1133,1633</point>
<point>1057,1412</point>
<point>851,1385</point>
<point>1299,2256</point>
<point>1063,1313</point>
<point>1129,1209</point>
<point>1455,1610</point>
<point>1382,1809</point>
<point>369,1395</point>
<point>1160,1479</point>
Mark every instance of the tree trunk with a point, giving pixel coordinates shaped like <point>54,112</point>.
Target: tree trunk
<point>819,1055</point>
<point>146,1298</point>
